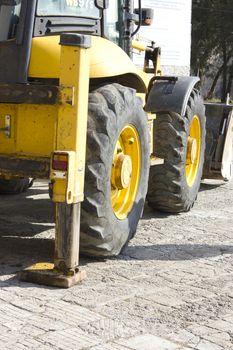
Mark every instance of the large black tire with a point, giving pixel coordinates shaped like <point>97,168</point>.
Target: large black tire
<point>168,187</point>
<point>111,108</point>
<point>14,186</point>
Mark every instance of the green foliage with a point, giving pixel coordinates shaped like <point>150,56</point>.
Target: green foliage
<point>212,43</point>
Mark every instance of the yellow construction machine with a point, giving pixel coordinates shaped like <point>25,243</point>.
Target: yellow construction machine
<point>75,110</point>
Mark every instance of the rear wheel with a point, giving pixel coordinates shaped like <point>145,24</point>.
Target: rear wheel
<point>117,169</point>
<point>14,186</point>
<point>173,186</point>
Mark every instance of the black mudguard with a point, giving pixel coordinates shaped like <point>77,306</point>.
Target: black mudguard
<point>169,94</point>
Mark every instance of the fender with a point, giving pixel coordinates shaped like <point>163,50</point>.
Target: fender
<point>107,61</point>
<point>169,94</point>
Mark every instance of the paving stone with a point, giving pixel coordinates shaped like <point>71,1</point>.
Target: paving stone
<point>28,329</point>
<point>109,330</point>
<point>206,345</point>
<point>200,329</point>
<point>221,325</point>
<point>46,324</point>
<point>32,305</point>
<point>219,338</point>
<point>228,318</point>
<point>6,341</point>
<point>184,337</point>
<point>110,346</point>
<point>108,293</point>
<point>149,342</point>
<point>26,344</point>
<point>72,314</point>
<point>70,338</point>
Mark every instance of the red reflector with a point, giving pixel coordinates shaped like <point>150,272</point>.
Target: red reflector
<point>60,162</point>
<point>60,165</point>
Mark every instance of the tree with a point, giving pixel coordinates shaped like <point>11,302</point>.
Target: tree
<point>212,44</point>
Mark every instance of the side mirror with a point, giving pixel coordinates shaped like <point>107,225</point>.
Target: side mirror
<point>102,4</point>
<point>147,16</point>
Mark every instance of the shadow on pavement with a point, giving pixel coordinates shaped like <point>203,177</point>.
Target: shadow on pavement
<point>176,252</point>
<point>25,216</point>
<point>211,186</point>
<point>31,206</point>
<point>150,213</point>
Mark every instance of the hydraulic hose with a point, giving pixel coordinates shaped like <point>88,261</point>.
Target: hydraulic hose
<point>140,18</point>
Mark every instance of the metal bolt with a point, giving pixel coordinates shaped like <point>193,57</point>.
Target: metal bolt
<point>131,141</point>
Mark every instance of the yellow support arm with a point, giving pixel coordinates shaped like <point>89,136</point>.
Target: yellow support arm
<point>68,161</point>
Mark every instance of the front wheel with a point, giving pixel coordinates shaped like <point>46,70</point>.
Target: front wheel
<point>117,169</point>
<point>173,186</point>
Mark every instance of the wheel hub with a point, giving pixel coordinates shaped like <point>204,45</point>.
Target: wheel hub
<point>122,174</point>
<point>192,150</point>
<point>126,170</point>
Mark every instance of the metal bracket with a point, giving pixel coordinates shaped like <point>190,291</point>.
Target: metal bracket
<point>7,129</point>
<point>67,94</point>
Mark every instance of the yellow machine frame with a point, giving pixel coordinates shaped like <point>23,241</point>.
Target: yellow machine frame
<point>36,135</point>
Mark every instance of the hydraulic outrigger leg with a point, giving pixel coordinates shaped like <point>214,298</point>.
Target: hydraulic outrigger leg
<point>68,165</point>
<point>65,270</point>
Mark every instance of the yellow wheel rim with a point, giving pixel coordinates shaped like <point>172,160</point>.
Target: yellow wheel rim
<point>126,168</point>
<point>193,150</point>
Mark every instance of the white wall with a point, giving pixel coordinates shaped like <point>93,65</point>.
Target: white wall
<point>171,30</point>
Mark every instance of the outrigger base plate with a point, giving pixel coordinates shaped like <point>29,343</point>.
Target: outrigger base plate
<point>46,274</point>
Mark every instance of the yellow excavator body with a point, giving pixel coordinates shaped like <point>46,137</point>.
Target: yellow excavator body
<point>106,60</point>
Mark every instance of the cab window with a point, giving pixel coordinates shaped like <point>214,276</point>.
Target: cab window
<point>114,26</point>
<point>9,19</point>
<point>77,8</point>
<point>112,21</point>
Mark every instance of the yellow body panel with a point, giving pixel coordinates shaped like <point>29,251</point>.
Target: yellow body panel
<point>36,129</point>
<point>39,130</point>
<point>32,131</point>
<point>106,60</point>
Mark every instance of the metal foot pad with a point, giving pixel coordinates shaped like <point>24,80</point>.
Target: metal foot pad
<point>44,273</point>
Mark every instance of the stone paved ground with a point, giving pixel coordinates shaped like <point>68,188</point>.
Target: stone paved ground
<point>172,288</point>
